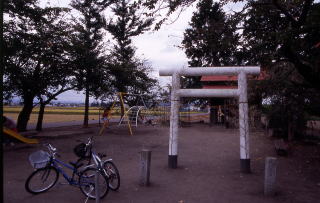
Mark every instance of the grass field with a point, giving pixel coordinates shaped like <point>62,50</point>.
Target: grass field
<point>54,114</point>
<point>54,110</point>
<point>52,118</point>
<point>70,110</point>
<point>57,114</point>
<point>65,114</point>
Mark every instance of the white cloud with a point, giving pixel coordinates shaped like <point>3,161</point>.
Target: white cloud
<point>159,48</point>
<point>71,96</point>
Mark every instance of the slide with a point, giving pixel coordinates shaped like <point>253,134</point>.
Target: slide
<point>19,137</point>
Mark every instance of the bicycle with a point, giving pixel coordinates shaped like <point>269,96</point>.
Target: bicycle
<point>86,154</point>
<point>48,168</point>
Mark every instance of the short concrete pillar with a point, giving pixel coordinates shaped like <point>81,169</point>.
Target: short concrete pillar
<point>145,163</point>
<point>270,176</point>
<point>96,182</point>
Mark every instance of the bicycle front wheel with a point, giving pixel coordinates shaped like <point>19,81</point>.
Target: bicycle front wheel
<point>87,183</point>
<point>42,180</point>
<point>112,174</point>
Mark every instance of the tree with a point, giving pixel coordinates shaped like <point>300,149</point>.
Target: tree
<point>59,84</point>
<point>299,46</point>
<point>164,6</point>
<point>299,41</point>
<point>48,96</point>
<point>131,74</point>
<point>35,57</point>
<point>211,39</point>
<point>89,61</point>
<point>282,38</point>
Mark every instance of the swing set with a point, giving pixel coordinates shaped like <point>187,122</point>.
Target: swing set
<point>130,116</point>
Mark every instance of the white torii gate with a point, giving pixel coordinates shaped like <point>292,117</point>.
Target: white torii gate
<point>241,92</point>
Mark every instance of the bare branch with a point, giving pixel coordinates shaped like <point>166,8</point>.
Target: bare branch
<point>285,12</point>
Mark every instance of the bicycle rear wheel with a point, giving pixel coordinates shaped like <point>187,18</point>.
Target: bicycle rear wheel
<point>87,183</point>
<point>42,180</point>
<point>113,175</point>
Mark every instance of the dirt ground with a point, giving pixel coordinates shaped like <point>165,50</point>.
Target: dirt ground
<point>209,167</point>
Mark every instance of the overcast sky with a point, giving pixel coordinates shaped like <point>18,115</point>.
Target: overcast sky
<point>159,48</point>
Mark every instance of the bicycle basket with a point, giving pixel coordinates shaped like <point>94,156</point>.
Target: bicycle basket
<point>80,150</point>
<point>39,159</point>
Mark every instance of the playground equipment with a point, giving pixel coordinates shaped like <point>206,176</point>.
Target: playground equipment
<point>241,93</point>
<point>122,105</point>
<point>137,114</point>
<point>19,136</point>
<point>132,115</point>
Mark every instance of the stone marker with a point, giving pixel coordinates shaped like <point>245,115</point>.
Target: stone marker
<point>270,176</point>
<point>145,161</point>
<point>96,182</point>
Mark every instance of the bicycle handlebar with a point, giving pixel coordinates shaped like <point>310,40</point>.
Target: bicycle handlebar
<point>52,150</point>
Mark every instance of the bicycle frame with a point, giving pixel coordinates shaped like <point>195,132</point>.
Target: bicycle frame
<point>97,162</point>
<point>93,155</point>
<point>56,163</point>
<point>46,177</point>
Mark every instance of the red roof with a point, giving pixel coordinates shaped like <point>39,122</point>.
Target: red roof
<point>216,78</point>
<point>219,87</point>
<point>219,78</point>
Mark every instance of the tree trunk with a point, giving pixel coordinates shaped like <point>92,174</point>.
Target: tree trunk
<point>290,131</point>
<point>40,116</point>
<point>86,110</point>
<point>24,115</point>
<point>44,103</point>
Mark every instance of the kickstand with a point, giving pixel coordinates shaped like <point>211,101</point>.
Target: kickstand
<point>86,200</point>
<point>89,193</point>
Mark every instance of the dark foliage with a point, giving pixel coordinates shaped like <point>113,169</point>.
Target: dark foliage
<point>211,39</point>
<point>89,61</point>
<point>35,58</point>
<point>130,72</point>
<point>282,37</point>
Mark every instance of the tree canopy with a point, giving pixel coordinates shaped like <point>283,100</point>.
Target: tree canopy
<point>126,67</point>
<point>47,52</point>
<point>88,58</point>
<point>211,39</point>
<point>35,56</point>
<point>281,36</point>
<point>45,55</point>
